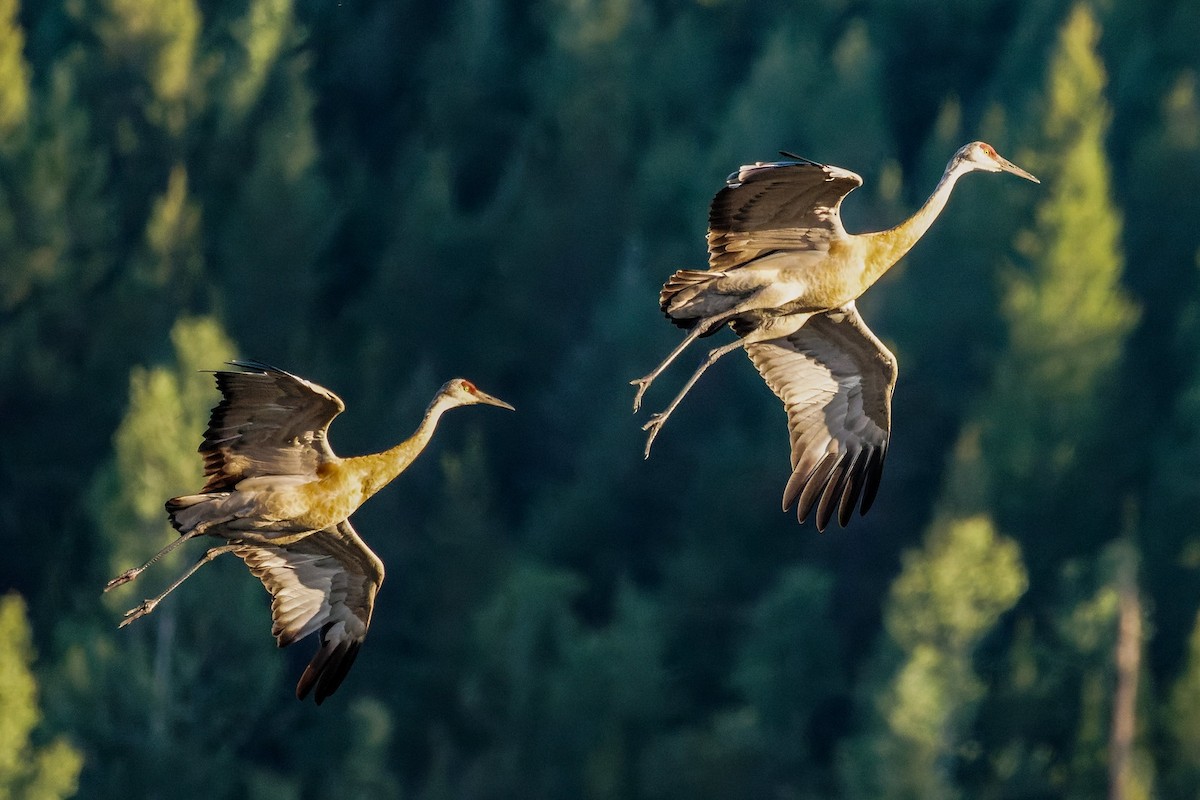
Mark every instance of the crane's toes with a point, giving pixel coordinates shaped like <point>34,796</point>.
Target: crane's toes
<point>653,427</point>
<point>123,578</point>
<point>643,384</point>
<point>137,612</point>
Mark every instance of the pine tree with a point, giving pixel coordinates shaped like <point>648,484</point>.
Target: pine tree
<point>1067,319</point>
<point>156,442</point>
<point>158,42</point>
<point>14,74</point>
<point>134,694</point>
<point>27,771</point>
<point>1182,716</point>
<point>925,692</point>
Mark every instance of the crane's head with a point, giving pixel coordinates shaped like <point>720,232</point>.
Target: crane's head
<point>982,156</point>
<point>461,392</point>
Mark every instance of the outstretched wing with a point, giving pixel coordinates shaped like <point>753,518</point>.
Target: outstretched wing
<point>326,581</point>
<point>269,422</point>
<point>781,205</point>
<point>835,379</point>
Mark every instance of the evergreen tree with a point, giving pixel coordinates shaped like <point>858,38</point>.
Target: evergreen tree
<point>133,695</point>
<point>566,709</point>
<point>27,771</point>
<point>1182,717</point>
<point>921,703</point>
<point>14,74</point>
<point>1067,318</point>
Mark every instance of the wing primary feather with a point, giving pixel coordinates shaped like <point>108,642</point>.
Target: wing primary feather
<point>832,491</point>
<point>314,668</point>
<point>255,364</point>
<point>853,487</point>
<point>335,672</point>
<point>873,471</point>
<point>801,159</point>
<point>816,483</point>
<point>801,473</point>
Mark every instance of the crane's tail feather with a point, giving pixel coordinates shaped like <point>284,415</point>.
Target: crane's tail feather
<point>177,506</point>
<point>196,513</point>
<point>682,297</point>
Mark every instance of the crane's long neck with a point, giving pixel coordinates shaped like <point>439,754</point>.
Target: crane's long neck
<point>887,247</point>
<point>380,469</point>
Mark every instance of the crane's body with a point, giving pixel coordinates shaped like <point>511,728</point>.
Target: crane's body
<point>283,506</point>
<point>281,500</point>
<point>779,259</point>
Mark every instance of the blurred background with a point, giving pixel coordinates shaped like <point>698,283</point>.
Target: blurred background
<point>382,195</point>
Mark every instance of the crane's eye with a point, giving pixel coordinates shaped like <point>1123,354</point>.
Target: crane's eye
<point>470,387</point>
<point>989,150</point>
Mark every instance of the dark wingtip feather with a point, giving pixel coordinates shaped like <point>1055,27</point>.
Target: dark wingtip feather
<point>854,485</point>
<point>254,365</point>
<point>812,489</point>
<point>337,670</point>
<point>873,471</point>
<point>315,667</point>
<point>833,491</point>
<point>328,668</point>
<point>801,159</point>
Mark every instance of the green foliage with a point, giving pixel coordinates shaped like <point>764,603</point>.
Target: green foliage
<point>14,72</point>
<point>1183,724</point>
<point>955,590</point>
<point>155,443</point>
<point>1068,316</point>
<point>381,195</point>
<point>947,598</point>
<point>567,708</point>
<point>158,41</point>
<point>35,772</point>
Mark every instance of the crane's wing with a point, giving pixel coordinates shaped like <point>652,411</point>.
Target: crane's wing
<point>269,422</point>
<point>836,379</point>
<point>781,205</point>
<point>326,581</point>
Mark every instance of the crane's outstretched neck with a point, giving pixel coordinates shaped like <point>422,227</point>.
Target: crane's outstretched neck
<point>380,469</point>
<point>885,248</point>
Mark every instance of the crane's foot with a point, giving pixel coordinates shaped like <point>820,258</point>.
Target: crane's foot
<point>643,384</point>
<point>122,579</point>
<point>137,612</point>
<point>653,426</point>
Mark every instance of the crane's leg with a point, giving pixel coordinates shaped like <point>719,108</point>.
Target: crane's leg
<point>148,605</point>
<point>702,327</point>
<point>656,422</point>
<point>247,536</point>
<point>130,574</point>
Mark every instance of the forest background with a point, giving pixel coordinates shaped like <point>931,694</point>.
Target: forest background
<point>381,195</point>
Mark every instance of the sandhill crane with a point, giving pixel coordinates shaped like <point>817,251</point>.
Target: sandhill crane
<point>784,273</point>
<point>279,496</point>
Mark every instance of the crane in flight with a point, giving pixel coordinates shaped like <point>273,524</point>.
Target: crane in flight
<point>784,274</point>
<point>281,499</point>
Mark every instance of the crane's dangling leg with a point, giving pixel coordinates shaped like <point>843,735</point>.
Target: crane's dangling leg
<point>148,605</point>
<point>656,422</point>
<point>247,536</point>
<point>130,574</point>
<point>702,327</point>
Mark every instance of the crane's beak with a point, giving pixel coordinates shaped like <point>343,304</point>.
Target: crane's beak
<point>1008,166</point>
<point>484,397</point>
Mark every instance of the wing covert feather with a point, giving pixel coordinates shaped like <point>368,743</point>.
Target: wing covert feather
<point>268,422</point>
<point>781,205</point>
